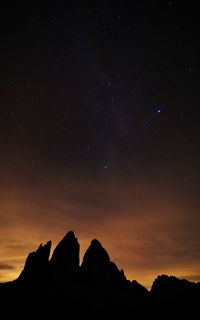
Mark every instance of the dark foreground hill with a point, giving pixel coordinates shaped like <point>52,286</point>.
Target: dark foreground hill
<point>61,288</point>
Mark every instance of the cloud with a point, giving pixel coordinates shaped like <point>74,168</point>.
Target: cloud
<point>4,266</point>
<point>193,277</point>
<point>146,228</point>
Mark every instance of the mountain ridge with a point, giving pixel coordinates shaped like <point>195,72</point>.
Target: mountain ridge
<point>95,285</point>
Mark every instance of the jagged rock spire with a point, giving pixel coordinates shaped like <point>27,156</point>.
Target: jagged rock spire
<point>97,267</point>
<point>65,259</point>
<point>67,252</point>
<point>37,262</point>
<point>95,256</point>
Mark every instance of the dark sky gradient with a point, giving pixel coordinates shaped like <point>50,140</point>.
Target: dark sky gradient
<point>99,132</point>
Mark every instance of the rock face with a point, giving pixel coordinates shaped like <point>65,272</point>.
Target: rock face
<point>139,290</point>
<point>172,289</point>
<point>95,265</point>
<point>36,264</point>
<point>174,298</point>
<point>64,263</point>
<point>117,276</point>
<point>97,268</point>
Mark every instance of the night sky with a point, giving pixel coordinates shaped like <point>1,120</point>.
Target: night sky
<point>99,132</point>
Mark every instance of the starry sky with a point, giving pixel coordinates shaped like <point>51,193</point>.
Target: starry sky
<point>99,132</point>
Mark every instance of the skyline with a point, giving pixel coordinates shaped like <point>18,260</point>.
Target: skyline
<point>142,249</point>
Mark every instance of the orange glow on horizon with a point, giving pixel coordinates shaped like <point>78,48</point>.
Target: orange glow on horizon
<point>145,233</point>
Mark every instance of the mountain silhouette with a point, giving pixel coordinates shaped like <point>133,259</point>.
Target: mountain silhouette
<point>64,263</point>
<point>36,264</point>
<point>62,288</point>
<point>97,269</point>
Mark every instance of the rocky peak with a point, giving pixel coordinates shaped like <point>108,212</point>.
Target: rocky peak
<point>65,259</point>
<point>170,288</point>
<point>67,252</point>
<point>95,256</point>
<point>99,270</point>
<point>96,265</point>
<point>96,244</point>
<point>37,262</point>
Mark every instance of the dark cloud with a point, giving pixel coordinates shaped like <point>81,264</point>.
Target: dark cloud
<point>195,277</point>
<point>4,266</point>
<point>12,244</point>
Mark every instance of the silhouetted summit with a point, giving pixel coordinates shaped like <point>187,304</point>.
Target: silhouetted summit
<point>171,289</point>
<point>60,287</point>
<point>97,268</point>
<point>64,263</point>
<point>96,262</point>
<point>95,253</point>
<point>67,252</point>
<point>37,263</point>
